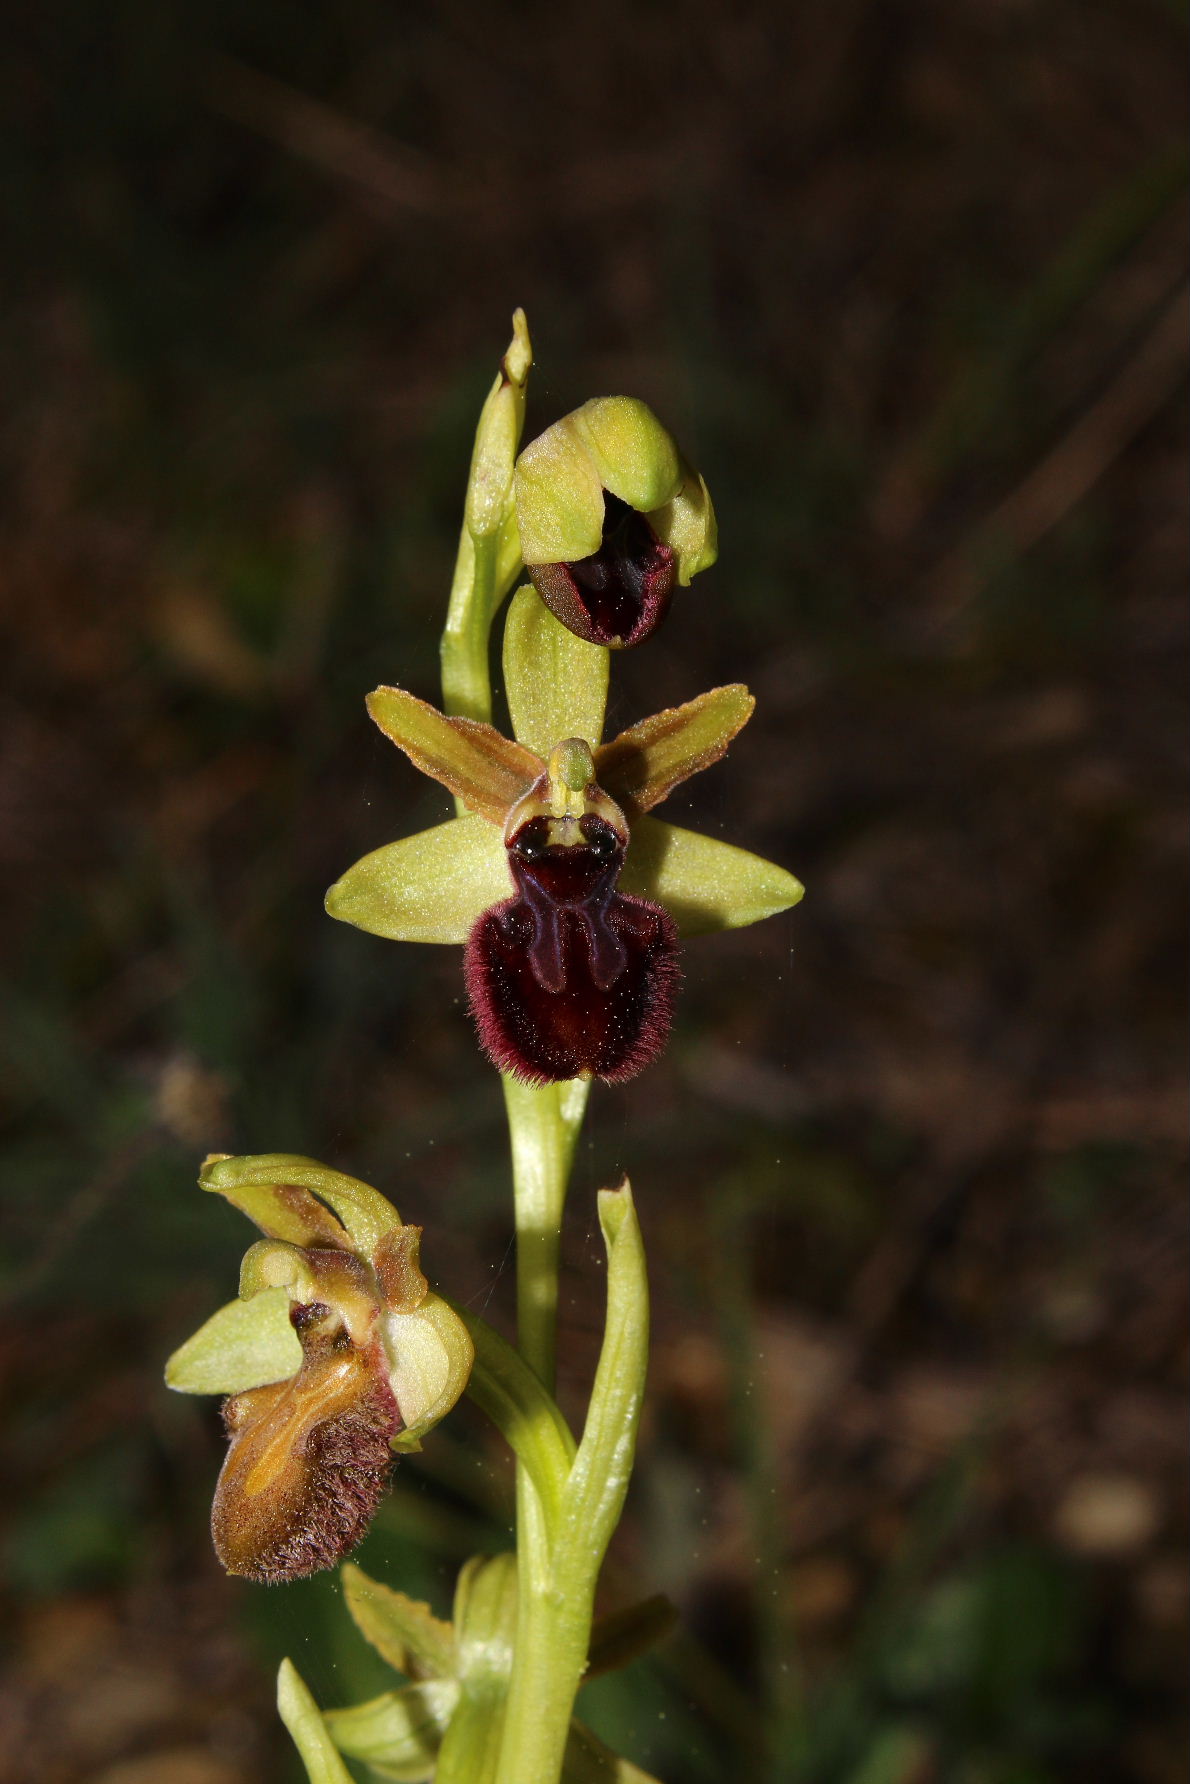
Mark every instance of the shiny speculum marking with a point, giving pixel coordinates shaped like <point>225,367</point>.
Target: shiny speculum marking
<point>571,977</point>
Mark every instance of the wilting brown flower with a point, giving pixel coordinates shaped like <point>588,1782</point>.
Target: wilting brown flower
<point>335,1356</point>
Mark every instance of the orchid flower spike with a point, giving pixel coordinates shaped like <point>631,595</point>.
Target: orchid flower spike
<point>335,1356</point>
<point>569,898</point>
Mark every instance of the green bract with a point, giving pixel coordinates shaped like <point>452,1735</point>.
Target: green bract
<point>489,553</point>
<point>439,1725</point>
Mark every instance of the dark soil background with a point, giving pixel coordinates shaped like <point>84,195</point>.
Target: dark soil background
<point>909,282</point>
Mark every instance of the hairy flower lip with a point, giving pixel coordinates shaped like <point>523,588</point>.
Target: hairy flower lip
<point>307,1463</point>
<point>545,1025</point>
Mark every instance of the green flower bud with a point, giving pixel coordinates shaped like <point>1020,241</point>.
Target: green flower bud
<point>611,517</point>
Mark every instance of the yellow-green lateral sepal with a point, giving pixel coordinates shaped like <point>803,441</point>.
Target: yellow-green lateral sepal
<point>556,682</point>
<point>430,1355</point>
<point>485,1627</point>
<point>398,1734</point>
<point>704,884</point>
<point>482,767</point>
<point>402,1630</point>
<point>365,1213</point>
<point>643,764</point>
<point>426,888</point>
<point>309,1733</point>
<point>247,1344</point>
<point>687,525</point>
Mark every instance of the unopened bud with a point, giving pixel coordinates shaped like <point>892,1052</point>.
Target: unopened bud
<point>611,517</point>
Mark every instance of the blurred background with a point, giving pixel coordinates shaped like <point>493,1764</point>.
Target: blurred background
<point>909,282</point>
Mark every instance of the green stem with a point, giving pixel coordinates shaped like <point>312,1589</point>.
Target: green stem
<point>552,1631</point>
<point>558,1558</point>
<point>543,1127</point>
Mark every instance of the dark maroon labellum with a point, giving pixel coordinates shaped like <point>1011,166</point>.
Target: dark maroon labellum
<point>619,594</point>
<point>571,976</point>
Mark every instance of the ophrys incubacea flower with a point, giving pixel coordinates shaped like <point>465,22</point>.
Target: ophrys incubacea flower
<point>568,896</point>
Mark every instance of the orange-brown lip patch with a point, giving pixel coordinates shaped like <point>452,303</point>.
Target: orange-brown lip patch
<point>307,1466</point>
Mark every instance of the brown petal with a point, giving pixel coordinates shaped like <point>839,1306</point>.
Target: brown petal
<point>485,769</point>
<point>644,764</point>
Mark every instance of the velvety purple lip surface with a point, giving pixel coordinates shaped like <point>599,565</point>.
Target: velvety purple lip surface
<point>619,594</point>
<point>571,976</point>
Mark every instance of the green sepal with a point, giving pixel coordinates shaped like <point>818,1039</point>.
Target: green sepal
<point>617,444</point>
<point>688,526</point>
<point>399,1733</point>
<point>559,497</point>
<point>641,766</point>
<point>485,1628</point>
<point>704,884</point>
<point>430,1353</point>
<point>485,1617</point>
<point>634,456</point>
<point>247,1344</point>
<point>555,682</point>
<point>284,1211</point>
<point>429,887</point>
<point>365,1213</point>
<point>402,1630</point>
<point>309,1732</point>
